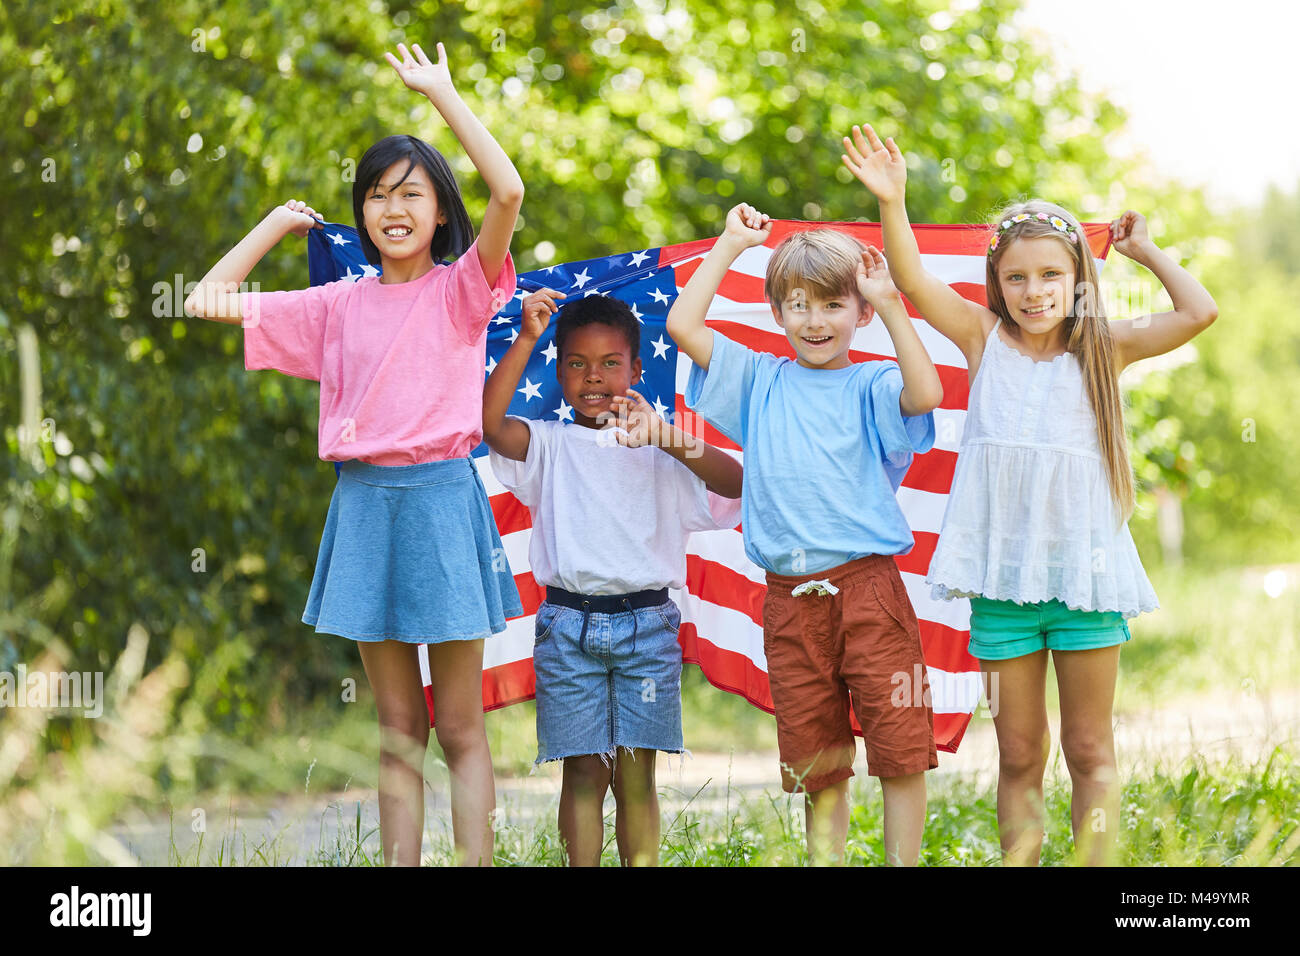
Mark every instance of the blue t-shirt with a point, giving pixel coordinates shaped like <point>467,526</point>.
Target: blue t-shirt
<point>825,450</point>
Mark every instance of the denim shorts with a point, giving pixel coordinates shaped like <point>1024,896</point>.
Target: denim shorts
<point>1000,630</point>
<point>614,683</point>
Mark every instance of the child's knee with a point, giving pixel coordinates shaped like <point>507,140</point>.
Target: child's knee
<point>457,737</point>
<point>1022,756</point>
<point>1089,753</point>
<point>399,725</point>
<point>588,774</point>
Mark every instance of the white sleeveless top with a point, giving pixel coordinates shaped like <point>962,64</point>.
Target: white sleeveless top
<point>1030,515</point>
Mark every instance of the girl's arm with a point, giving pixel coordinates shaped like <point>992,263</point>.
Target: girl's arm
<point>434,81</point>
<point>922,390</point>
<point>883,170</point>
<point>746,227</point>
<point>1194,308</point>
<point>720,473</point>
<point>509,437</point>
<point>217,296</point>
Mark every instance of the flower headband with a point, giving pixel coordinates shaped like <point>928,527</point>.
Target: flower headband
<point>1057,223</point>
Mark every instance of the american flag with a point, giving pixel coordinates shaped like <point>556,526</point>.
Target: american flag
<point>722,604</point>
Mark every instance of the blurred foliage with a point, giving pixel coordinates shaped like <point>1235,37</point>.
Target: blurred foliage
<point>175,127</point>
<point>1213,421</point>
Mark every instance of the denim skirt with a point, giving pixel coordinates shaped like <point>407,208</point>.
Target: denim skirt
<point>411,553</point>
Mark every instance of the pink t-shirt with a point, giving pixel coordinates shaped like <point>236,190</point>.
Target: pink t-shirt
<point>400,366</point>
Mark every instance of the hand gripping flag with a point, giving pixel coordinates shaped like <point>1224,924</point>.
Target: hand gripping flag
<point>722,604</point>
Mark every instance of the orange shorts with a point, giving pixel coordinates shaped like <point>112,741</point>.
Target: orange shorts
<point>862,644</point>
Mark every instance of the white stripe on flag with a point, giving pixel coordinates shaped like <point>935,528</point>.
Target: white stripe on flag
<point>727,548</point>
<point>723,627</point>
<point>515,643</point>
<point>954,614</point>
<point>954,693</point>
<point>923,509</point>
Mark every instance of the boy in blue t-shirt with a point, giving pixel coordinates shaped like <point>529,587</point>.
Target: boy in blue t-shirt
<point>827,442</point>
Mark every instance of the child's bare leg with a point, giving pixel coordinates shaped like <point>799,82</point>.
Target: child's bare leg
<point>393,671</point>
<point>636,815</point>
<point>1087,685</point>
<point>826,822</point>
<point>904,799</point>
<point>456,673</point>
<point>582,808</point>
<point>1018,698</point>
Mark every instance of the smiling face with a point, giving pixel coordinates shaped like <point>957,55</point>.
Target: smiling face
<point>821,330</point>
<point>597,364</point>
<point>401,212</point>
<point>1036,278</point>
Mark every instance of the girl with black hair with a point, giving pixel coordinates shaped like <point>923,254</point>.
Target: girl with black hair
<point>410,553</point>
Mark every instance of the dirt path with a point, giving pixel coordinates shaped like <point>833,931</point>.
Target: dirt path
<point>1239,727</point>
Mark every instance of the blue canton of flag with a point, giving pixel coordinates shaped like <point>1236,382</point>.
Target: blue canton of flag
<point>334,253</point>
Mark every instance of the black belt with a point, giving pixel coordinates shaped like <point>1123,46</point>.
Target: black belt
<point>605,604</point>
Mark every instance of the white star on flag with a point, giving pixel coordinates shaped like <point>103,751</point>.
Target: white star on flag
<point>350,276</point>
<point>369,270</point>
<point>637,314</point>
<point>565,411</point>
<point>660,408</point>
<point>492,363</point>
<point>658,296</point>
<point>530,390</point>
<point>502,320</point>
<point>661,348</point>
<point>582,278</point>
<point>514,334</point>
<point>550,352</point>
<point>639,257</point>
<point>337,239</point>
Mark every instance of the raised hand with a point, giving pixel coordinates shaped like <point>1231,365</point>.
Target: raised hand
<point>297,217</point>
<point>747,226</point>
<point>419,74</point>
<point>874,281</point>
<point>1129,233</point>
<point>637,418</point>
<point>537,310</point>
<point>879,166</point>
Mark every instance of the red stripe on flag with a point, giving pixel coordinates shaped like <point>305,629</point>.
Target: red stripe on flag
<point>935,240</point>
<point>932,471</point>
<point>917,561</point>
<point>531,594</point>
<point>510,513</point>
<point>693,424</point>
<point>949,730</point>
<point>719,584</point>
<point>944,647</point>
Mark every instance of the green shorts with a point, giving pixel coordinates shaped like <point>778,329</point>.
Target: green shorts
<point>1003,629</point>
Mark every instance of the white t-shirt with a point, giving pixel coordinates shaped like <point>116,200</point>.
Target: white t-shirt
<point>608,519</point>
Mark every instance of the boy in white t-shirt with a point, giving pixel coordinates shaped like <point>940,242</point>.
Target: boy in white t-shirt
<point>611,510</point>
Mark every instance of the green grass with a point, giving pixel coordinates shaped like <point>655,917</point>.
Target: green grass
<point>65,782</point>
<point>1189,815</point>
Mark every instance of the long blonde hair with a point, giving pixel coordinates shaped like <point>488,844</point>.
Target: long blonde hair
<point>1088,336</point>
